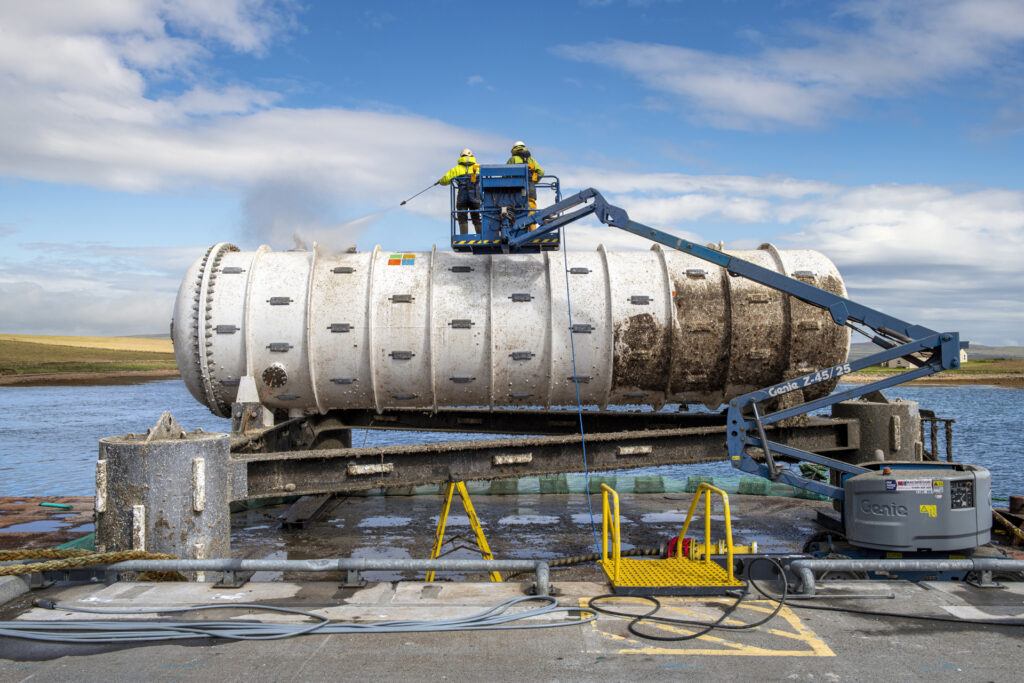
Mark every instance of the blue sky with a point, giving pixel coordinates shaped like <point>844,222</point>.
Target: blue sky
<point>886,134</point>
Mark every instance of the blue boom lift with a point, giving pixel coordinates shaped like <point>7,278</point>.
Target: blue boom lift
<point>510,226</point>
<point>505,193</point>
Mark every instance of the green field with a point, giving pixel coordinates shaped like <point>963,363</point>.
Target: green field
<point>983,366</point>
<point>26,358</point>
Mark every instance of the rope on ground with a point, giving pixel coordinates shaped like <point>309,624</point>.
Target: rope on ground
<point>43,553</point>
<point>60,559</point>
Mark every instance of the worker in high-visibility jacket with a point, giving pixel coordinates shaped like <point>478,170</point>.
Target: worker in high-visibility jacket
<point>521,155</point>
<point>466,174</point>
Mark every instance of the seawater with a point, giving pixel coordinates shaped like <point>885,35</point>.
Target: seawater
<point>48,435</point>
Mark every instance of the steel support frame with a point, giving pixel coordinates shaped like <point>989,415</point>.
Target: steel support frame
<point>304,472</point>
<point>487,421</point>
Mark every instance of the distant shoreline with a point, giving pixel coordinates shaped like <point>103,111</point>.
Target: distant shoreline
<point>46,379</point>
<point>946,379</point>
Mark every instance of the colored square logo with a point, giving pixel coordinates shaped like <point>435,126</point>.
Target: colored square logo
<point>402,260</point>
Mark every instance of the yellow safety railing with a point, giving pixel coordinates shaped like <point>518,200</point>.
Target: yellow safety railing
<point>610,522</point>
<point>704,490</point>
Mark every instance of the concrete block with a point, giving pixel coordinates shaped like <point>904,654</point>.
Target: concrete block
<point>11,587</point>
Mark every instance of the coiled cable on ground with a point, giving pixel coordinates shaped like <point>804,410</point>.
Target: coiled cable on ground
<point>89,632</point>
<point>703,626</point>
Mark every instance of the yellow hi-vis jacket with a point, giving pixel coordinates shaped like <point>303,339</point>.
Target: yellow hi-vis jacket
<point>467,166</point>
<point>535,170</point>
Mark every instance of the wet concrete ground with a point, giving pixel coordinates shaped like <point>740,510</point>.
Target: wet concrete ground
<point>519,526</point>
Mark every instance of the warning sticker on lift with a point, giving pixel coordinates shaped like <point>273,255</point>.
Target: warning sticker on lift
<point>913,485</point>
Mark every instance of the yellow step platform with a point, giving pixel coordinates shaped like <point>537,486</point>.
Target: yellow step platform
<point>674,576</point>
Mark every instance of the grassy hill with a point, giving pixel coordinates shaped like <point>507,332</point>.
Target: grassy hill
<point>33,354</point>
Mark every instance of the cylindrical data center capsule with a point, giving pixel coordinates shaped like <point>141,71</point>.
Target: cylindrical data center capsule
<point>435,330</point>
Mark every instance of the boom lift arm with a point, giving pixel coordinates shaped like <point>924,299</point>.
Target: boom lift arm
<point>745,421</point>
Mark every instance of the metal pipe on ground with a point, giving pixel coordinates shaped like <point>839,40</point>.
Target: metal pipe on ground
<point>350,564</point>
<point>805,568</point>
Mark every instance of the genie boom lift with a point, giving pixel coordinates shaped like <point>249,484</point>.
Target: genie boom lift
<point>916,507</point>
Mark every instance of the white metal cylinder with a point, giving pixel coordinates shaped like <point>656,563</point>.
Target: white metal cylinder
<point>321,331</point>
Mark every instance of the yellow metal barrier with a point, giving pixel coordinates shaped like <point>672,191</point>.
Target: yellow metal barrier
<point>706,490</point>
<point>607,491</point>
<point>676,575</point>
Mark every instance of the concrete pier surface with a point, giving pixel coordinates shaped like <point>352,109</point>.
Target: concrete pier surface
<point>798,644</point>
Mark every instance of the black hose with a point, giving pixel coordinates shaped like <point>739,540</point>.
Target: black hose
<point>705,626</point>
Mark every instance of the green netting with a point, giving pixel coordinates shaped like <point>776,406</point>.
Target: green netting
<point>87,542</point>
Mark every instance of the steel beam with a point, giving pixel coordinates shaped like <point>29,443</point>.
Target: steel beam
<point>485,421</point>
<point>263,475</point>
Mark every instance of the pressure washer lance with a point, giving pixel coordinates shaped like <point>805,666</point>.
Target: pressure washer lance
<point>419,193</point>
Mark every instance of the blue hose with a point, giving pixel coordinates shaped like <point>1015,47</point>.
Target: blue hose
<point>576,380</point>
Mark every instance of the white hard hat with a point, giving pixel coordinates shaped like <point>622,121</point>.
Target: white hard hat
<point>467,152</point>
<point>518,143</point>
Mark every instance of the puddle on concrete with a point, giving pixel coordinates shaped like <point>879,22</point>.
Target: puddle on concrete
<point>384,521</point>
<point>389,552</point>
<point>85,528</point>
<point>583,519</point>
<point>675,516</point>
<point>271,576</point>
<point>528,519</point>
<point>453,520</point>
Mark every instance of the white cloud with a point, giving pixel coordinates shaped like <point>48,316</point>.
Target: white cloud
<point>78,107</point>
<point>474,80</point>
<point>933,255</point>
<point>895,48</point>
<point>92,289</point>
